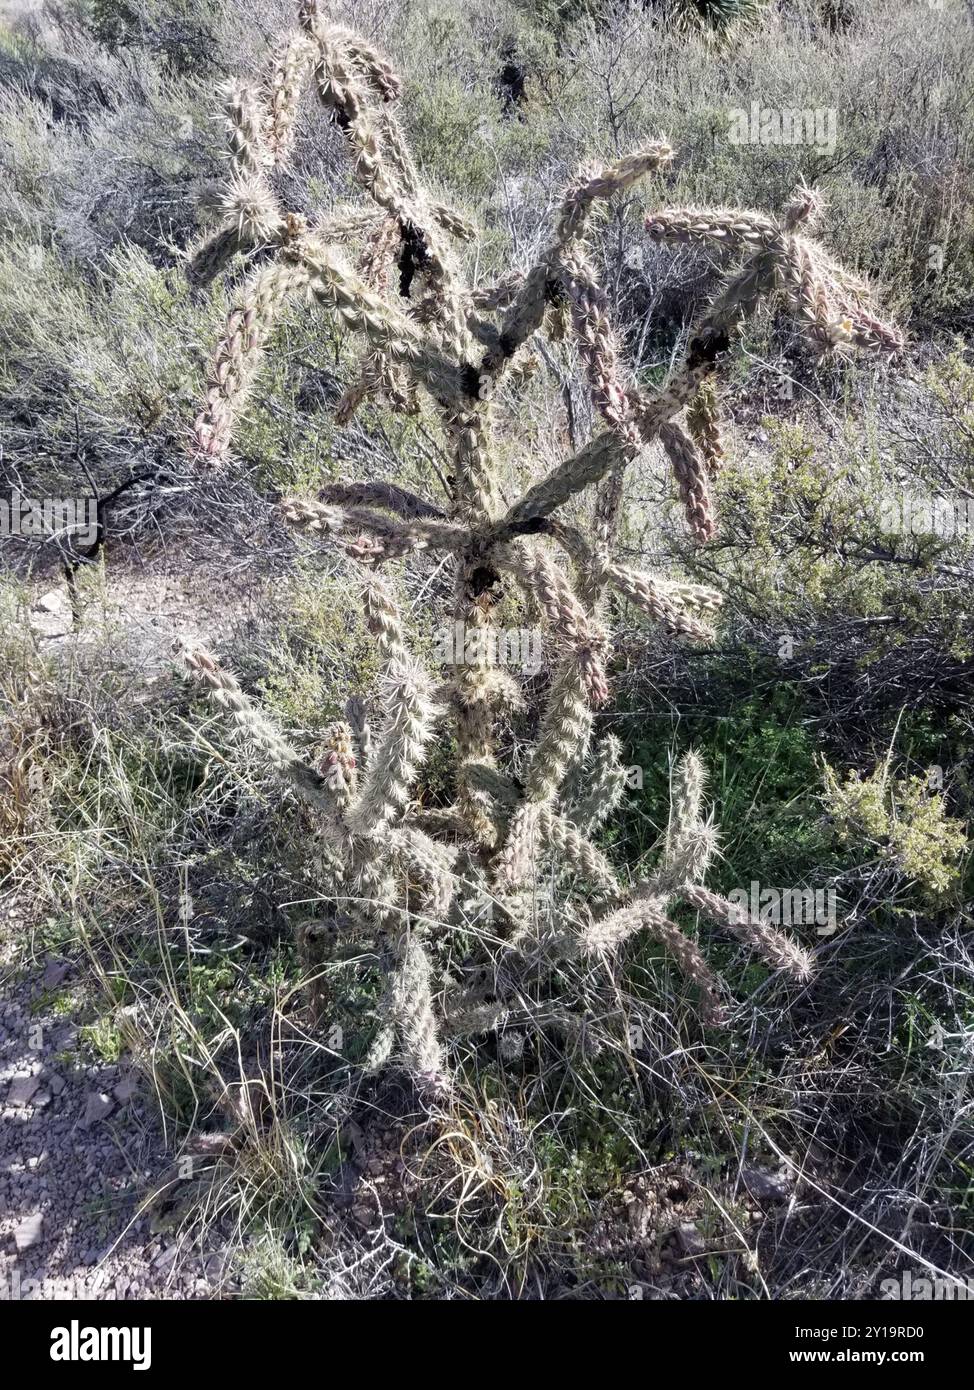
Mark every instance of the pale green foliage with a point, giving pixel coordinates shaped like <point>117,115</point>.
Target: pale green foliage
<point>906,820</point>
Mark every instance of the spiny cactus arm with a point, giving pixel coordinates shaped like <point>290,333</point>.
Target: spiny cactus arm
<point>246,121</point>
<point>828,310</point>
<point>597,344</point>
<point>479,689</point>
<point>259,731</point>
<point>590,188</point>
<point>346,77</point>
<point>814,275</point>
<point>250,216</point>
<point>537,829</point>
<point>384,622</point>
<point>239,354</point>
<point>776,947</point>
<point>373,896</point>
<point>514,862</point>
<point>453,222</point>
<point>691,840</point>
<point>652,597</point>
<point>552,590</point>
<point>375,69</point>
<point>430,866</point>
<point>415,1019</point>
<point>807,293</point>
<point>382,379</point>
<point>338,764</point>
<point>712,337</point>
<point>526,312</point>
<point>563,738</point>
<point>671,603</point>
<point>347,97</point>
<point>577,852</point>
<point>381,494</point>
<point>569,478</point>
<point>383,1047</point>
<point>604,785</point>
<point>348,222</point>
<point>609,933</point>
<point>392,536</point>
<point>358,721</point>
<point>733,229</point>
<point>286,78</point>
<point>692,480</point>
<point>468,434</point>
<point>341,291</point>
<point>803,207</point>
<point>696,598</point>
<point>252,211</point>
<point>400,752</point>
<point>704,425</point>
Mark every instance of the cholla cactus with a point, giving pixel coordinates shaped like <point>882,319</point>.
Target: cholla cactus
<point>403,872</point>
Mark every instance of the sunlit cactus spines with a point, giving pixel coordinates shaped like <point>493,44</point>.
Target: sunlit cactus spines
<point>416,874</point>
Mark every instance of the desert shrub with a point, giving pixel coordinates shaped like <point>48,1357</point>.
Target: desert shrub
<point>905,820</point>
<point>848,558</point>
<point>393,875</point>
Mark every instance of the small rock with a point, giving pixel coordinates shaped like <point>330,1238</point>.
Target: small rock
<point>22,1089</point>
<point>28,1232</point>
<point>689,1239</point>
<point>98,1107</point>
<point>54,973</point>
<point>125,1090</point>
<point>56,1084</point>
<point>764,1186</point>
<point>51,602</point>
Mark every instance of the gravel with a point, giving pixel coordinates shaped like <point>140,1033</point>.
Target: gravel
<point>80,1155</point>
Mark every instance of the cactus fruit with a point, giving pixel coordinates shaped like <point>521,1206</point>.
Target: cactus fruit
<point>409,874</point>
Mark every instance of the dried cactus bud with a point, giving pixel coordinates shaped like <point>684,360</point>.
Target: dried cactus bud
<point>337,764</point>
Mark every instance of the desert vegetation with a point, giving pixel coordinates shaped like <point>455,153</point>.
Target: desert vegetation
<point>486,750</point>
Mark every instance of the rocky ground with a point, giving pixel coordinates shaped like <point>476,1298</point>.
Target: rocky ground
<point>85,1171</point>
<point>83,1165</point>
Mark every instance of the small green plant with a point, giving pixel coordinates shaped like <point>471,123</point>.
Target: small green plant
<point>906,820</point>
